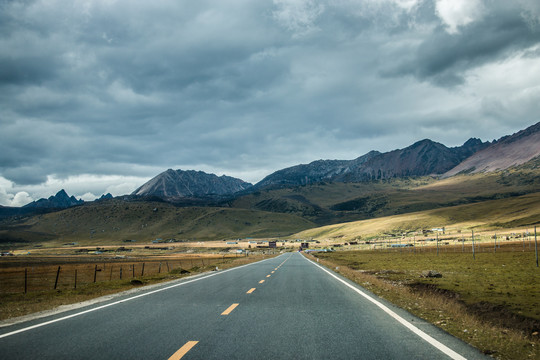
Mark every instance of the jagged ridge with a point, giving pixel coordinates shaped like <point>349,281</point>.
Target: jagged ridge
<point>190,183</point>
<point>59,201</point>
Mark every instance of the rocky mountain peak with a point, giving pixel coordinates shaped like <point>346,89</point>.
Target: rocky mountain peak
<point>190,183</point>
<point>59,201</point>
<point>508,151</point>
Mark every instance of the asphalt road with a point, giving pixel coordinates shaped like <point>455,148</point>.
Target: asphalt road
<point>286,307</point>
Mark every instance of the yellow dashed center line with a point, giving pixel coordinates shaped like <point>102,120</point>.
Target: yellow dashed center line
<point>272,272</point>
<point>250,291</point>
<point>183,350</point>
<point>268,275</point>
<point>229,309</point>
<point>260,282</point>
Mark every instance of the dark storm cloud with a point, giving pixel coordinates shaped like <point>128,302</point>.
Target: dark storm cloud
<point>443,58</point>
<point>99,88</point>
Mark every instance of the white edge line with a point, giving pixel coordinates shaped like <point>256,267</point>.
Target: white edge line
<point>123,300</point>
<point>440,346</point>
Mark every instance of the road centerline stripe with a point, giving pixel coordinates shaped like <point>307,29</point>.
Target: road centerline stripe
<point>230,309</point>
<point>268,275</point>
<point>260,282</point>
<point>250,291</point>
<point>183,350</point>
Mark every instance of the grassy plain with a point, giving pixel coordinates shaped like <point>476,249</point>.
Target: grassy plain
<point>490,302</point>
<point>491,215</point>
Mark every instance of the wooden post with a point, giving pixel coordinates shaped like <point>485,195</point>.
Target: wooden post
<point>110,276</point>
<point>168,270</point>
<point>133,270</point>
<point>95,273</point>
<point>142,271</point>
<point>159,269</point>
<point>535,246</point>
<point>25,280</point>
<point>473,255</point>
<point>120,272</point>
<point>57,275</point>
<point>75,285</point>
<point>495,249</point>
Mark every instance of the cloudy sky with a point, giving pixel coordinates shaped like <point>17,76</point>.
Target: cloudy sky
<point>100,96</point>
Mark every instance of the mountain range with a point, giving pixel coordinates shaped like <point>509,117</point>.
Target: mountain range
<point>423,158</point>
<point>59,201</point>
<point>180,204</point>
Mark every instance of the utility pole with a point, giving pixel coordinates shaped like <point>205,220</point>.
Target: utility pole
<point>437,242</point>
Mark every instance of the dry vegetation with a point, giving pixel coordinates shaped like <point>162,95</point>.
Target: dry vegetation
<point>487,215</point>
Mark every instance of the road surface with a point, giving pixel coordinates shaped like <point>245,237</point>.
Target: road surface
<point>286,307</point>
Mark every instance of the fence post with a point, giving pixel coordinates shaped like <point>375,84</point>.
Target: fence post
<point>57,275</point>
<point>167,266</point>
<point>133,270</point>
<point>120,272</point>
<point>473,255</point>
<point>95,273</point>
<point>75,285</point>
<point>25,280</point>
<point>535,246</point>
<point>159,269</point>
<point>110,276</point>
<point>142,271</point>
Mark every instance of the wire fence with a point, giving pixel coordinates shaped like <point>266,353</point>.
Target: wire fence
<point>70,276</point>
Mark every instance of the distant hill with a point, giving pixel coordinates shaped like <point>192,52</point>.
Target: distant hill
<point>509,151</point>
<point>424,157</point>
<point>59,201</point>
<point>173,184</point>
<point>115,220</point>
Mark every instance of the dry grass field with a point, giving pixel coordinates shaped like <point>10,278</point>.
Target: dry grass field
<point>501,215</point>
